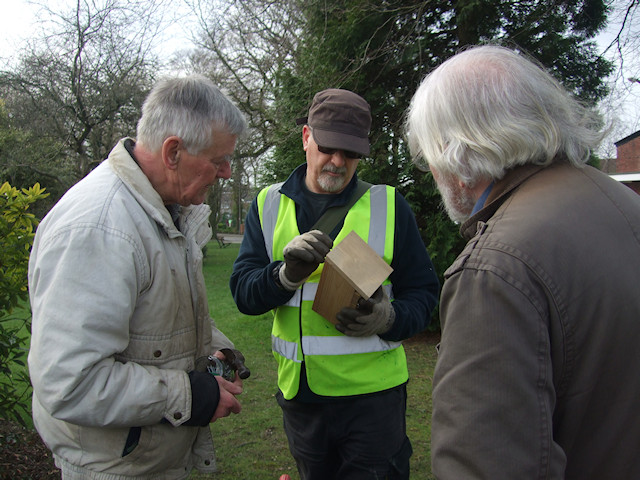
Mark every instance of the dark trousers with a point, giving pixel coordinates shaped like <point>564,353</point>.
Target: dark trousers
<point>356,438</point>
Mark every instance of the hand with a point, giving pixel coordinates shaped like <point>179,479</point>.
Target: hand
<point>236,359</point>
<point>228,402</point>
<point>374,316</point>
<point>302,255</point>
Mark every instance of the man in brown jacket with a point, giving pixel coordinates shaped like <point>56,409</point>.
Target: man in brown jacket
<point>539,365</point>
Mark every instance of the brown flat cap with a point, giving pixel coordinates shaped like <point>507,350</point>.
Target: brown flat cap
<point>340,119</point>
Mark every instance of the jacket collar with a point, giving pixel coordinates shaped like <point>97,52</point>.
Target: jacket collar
<point>126,168</point>
<point>500,192</point>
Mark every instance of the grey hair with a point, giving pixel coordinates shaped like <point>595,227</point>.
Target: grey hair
<point>489,109</point>
<point>191,108</point>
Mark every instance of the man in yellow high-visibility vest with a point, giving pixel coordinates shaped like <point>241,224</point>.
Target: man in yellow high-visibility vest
<point>342,388</point>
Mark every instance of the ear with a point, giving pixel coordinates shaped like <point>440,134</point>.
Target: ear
<point>306,134</point>
<point>171,152</point>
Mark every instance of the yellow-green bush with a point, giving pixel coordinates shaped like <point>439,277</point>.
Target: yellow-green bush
<point>17,228</point>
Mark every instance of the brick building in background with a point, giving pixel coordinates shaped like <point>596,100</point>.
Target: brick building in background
<point>627,164</point>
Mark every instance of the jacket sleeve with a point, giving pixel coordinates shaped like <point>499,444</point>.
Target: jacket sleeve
<point>83,286</point>
<point>252,282</point>
<point>414,280</point>
<point>493,393</point>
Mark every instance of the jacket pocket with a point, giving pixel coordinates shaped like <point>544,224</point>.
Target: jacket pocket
<point>132,440</point>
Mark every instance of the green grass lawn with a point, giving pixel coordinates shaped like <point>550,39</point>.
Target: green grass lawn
<point>252,445</point>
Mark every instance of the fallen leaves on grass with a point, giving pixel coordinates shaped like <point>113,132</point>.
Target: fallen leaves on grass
<point>23,456</point>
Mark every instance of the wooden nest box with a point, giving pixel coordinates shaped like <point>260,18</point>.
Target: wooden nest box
<point>352,269</point>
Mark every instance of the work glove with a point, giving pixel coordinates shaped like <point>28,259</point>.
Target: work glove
<point>374,316</point>
<point>302,255</point>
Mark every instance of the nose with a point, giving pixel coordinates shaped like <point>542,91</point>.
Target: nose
<point>338,158</point>
<point>224,171</point>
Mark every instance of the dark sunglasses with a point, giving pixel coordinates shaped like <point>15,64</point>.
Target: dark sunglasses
<point>331,151</point>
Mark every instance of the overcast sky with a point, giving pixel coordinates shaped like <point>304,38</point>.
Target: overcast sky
<point>19,22</point>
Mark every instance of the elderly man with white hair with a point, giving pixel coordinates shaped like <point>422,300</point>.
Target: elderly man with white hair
<point>538,367</point>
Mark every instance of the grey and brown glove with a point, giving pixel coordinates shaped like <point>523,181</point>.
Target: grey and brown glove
<point>374,316</point>
<point>302,255</point>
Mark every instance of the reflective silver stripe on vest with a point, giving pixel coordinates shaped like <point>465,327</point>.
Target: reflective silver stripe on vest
<point>309,294</point>
<point>288,350</point>
<point>389,289</point>
<point>270,217</point>
<point>378,218</point>
<point>331,346</point>
<point>345,345</point>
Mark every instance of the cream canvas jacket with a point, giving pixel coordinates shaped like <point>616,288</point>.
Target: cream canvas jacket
<point>120,316</point>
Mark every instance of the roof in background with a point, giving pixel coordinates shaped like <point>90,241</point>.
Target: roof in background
<point>627,139</point>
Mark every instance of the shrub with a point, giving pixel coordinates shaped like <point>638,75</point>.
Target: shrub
<point>17,227</point>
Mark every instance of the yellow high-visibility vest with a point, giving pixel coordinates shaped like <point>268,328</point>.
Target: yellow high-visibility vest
<point>336,364</point>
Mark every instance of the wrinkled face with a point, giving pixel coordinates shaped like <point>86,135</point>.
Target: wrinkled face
<point>458,201</point>
<point>326,173</point>
<point>195,174</point>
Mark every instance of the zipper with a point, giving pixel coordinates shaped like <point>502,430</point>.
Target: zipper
<point>300,318</point>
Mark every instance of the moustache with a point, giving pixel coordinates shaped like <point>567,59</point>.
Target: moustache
<point>332,169</point>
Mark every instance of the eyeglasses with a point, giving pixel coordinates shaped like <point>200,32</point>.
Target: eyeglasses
<point>331,151</point>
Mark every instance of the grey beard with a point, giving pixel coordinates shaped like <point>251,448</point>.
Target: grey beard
<point>332,184</point>
<point>457,203</point>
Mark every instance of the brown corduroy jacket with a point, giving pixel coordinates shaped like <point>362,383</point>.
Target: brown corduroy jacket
<point>538,375</point>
